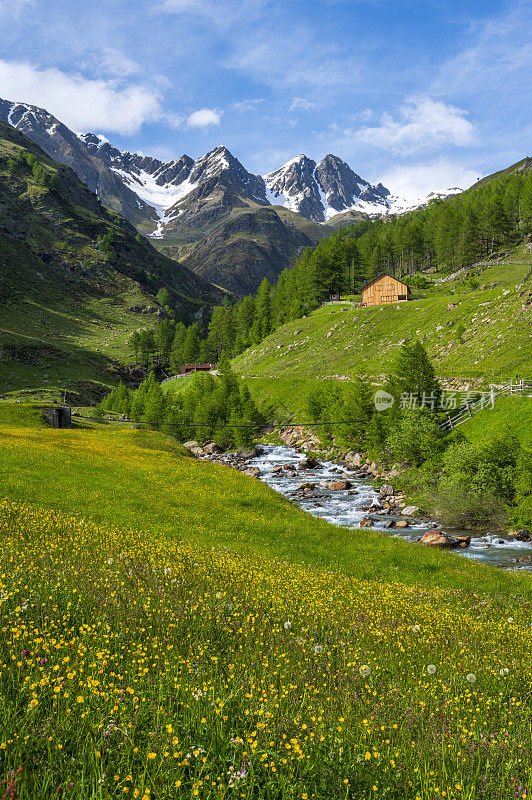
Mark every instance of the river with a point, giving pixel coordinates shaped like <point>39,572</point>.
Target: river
<point>349,507</point>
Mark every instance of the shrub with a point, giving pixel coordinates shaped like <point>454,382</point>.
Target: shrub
<point>486,468</point>
<point>460,508</point>
<point>415,438</point>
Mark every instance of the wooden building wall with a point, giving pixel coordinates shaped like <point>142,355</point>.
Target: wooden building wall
<point>384,290</point>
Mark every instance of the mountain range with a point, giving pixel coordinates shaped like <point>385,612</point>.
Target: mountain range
<point>230,226</point>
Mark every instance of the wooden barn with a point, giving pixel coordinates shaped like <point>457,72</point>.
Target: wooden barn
<point>186,369</point>
<point>384,289</point>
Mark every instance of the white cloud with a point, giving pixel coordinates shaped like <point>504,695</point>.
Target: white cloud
<point>115,63</point>
<point>421,124</point>
<point>298,61</point>
<point>81,103</point>
<point>416,182</point>
<point>302,103</point>
<point>247,105</point>
<point>498,62</point>
<point>223,15</point>
<point>203,118</point>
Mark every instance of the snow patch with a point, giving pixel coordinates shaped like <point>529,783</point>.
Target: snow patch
<point>161,198</point>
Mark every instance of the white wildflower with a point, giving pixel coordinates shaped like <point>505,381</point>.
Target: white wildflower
<point>218,595</point>
<point>287,625</point>
<point>318,649</point>
<point>364,670</point>
<point>504,671</point>
<point>471,677</point>
<point>431,669</point>
<point>416,628</point>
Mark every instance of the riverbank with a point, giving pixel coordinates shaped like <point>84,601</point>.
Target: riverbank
<point>344,494</point>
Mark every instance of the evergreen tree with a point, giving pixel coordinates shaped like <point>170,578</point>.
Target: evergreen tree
<point>164,336</point>
<point>469,241</point>
<point>414,381</point>
<point>146,345</point>
<point>134,341</point>
<point>154,406</point>
<point>191,346</point>
<point>176,351</point>
<point>164,298</point>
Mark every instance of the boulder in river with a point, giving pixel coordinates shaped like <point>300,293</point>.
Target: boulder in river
<point>338,486</point>
<point>409,511</point>
<point>194,447</point>
<point>253,472</point>
<point>385,491</point>
<point>309,463</point>
<point>435,538</point>
<point>249,452</point>
<point>353,459</point>
<point>211,449</point>
<point>522,535</point>
<point>366,523</point>
<point>463,540</point>
<point>402,523</point>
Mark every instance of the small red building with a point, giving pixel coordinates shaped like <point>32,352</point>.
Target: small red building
<point>186,369</point>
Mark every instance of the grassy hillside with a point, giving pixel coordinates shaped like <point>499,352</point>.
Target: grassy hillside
<point>510,414</point>
<point>74,277</point>
<point>341,340</point>
<point>233,646</point>
<point>103,474</point>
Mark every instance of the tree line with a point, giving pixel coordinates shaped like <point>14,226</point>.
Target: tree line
<point>445,235</point>
<point>207,403</point>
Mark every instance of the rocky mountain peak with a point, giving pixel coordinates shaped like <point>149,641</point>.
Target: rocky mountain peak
<point>318,191</point>
<point>152,189</point>
<point>87,161</point>
<point>295,184</point>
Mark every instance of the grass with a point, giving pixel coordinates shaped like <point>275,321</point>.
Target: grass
<point>512,415</point>
<point>204,638</point>
<point>340,340</point>
<point>27,415</point>
<point>48,345</point>
<point>103,474</point>
<point>66,306</point>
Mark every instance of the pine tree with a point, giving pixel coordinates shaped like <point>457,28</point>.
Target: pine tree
<point>414,378</point>
<point>469,241</point>
<point>191,345</point>
<point>164,336</point>
<point>176,351</point>
<point>134,341</point>
<point>154,406</point>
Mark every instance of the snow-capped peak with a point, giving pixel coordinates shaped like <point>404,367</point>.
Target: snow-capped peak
<point>401,204</point>
<point>319,191</point>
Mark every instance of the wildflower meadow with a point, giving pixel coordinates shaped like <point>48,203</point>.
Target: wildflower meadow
<point>135,664</point>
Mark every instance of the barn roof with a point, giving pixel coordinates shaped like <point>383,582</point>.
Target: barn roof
<point>382,275</point>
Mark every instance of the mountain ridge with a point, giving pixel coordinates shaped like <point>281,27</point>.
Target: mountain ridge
<point>203,210</point>
<point>76,279</point>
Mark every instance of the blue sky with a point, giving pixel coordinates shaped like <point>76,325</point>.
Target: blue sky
<point>420,95</point>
